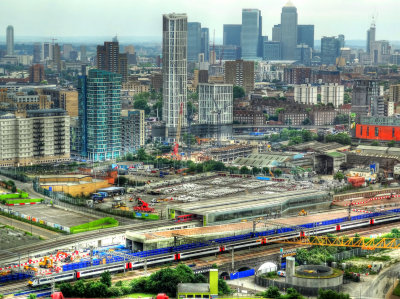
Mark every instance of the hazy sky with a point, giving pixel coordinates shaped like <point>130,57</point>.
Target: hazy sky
<point>58,18</point>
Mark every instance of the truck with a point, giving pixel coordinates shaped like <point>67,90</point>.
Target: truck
<point>99,197</point>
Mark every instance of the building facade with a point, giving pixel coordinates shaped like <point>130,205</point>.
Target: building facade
<point>378,128</point>
<point>40,137</point>
<point>10,40</point>
<point>174,72</point>
<point>193,41</point>
<point>205,42</point>
<point>305,35</point>
<point>100,114</point>
<point>36,73</point>
<point>249,117</point>
<point>232,34</point>
<point>132,130</point>
<point>330,50</point>
<point>365,95</point>
<point>109,59</point>
<point>66,99</point>
<point>297,75</point>
<point>332,93</point>
<point>306,94</point>
<point>394,93</point>
<point>251,33</point>
<point>240,73</point>
<point>272,51</point>
<point>288,31</point>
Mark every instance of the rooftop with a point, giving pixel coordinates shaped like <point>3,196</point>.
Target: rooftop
<point>193,288</point>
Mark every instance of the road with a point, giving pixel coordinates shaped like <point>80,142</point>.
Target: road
<point>35,230</point>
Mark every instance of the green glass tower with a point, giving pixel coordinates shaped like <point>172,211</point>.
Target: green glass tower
<point>100,114</point>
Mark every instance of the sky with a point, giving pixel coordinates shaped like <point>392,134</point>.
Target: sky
<point>143,18</point>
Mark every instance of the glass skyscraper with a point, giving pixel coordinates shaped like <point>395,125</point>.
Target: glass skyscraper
<point>251,33</point>
<point>205,41</point>
<point>232,34</point>
<point>100,114</point>
<point>10,40</point>
<point>288,31</point>
<point>330,49</point>
<point>193,41</point>
<point>305,35</point>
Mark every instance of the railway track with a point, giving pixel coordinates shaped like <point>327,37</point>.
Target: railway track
<point>67,240</point>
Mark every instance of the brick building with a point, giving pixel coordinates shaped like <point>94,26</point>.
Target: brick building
<point>36,73</point>
<point>251,117</point>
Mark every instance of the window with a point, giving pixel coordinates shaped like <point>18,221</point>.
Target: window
<point>393,132</point>
<point>360,130</point>
<point>376,131</point>
<point>367,131</point>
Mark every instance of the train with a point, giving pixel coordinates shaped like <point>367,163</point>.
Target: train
<point>215,246</point>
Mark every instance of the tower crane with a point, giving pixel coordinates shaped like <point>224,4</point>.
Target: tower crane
<point>218,111</point>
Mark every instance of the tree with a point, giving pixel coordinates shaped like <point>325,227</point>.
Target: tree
<point>96,289</point>
<point>319,98</point>
<point>339,176</point>
<point>32,296</point>
<point>223,288</point>
<point>265,170</point>
<point>79,289</point>
<point>293,294</point>
<point>277,172</point>
<point>13,189</point>
<point>141,154</point>
<point>330,294</point>
<point>347,98</point>
<point>375,143</point>
<point>244,170</point>
<point>142,104</point>
<point>391,143</point>
<point>238,92</point>
<point>307,122</point>
<point>272,292</point>
<point>106,278</point>
<point>255,170</point>
<point>191,109</point>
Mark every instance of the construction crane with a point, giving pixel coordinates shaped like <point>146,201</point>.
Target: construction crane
<point>221,55</point>
<point>218,111</point>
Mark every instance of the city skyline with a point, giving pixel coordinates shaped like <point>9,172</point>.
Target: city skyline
<point>144,20</point>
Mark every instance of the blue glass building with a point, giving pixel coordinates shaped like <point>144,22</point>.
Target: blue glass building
<point>251,34</point>
<point>205,41</point>
<point>193,41</point>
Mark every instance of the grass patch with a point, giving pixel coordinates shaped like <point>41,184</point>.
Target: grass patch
<point>94,225</point>
<point>137,295</point>
<point>396,290</point>
<point>336,273</point>
<point>26,200</point>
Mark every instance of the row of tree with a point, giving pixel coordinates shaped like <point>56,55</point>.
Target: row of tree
<point>273,292</point>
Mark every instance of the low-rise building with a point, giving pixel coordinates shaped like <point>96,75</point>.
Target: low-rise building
<point>250,117</point>
<point>306,94</point>
<point>332,93</point>
<point>323,117</point>
<point>295,118</point>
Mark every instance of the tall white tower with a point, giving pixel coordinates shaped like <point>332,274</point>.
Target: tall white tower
<point>10,40</point>
<point>174,71</point>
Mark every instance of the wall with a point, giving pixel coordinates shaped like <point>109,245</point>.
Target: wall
<point>387,133</point>
<point>76,190</point>
<point>65,179</point>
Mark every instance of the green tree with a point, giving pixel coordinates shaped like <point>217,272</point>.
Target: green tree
<point>238,92</point>
<point>223,288</point>
<point>256,170</point>
<point>272,292</point>
<point>191,108</point>
<point>96,289</point>
<point>319,98</point>
<point>330,294</point>
<point>142,104</point>
<point>347,98</point>
<point>32,296</point>
<point>307,122</point>
<point>157,107</point>
<point>375,143</point>
<point>79,289</point>
<point>244,170</point>
<point>277,172</point>
<point>265,170</point>
<point>67,289</point>
<point>339,176</point>
<point>13,189</point>
<point>141,154</point>
<point>293,294</point>
<point>391,143</point>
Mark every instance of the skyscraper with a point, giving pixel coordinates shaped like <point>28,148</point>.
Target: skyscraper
<point>174,72</point>
<point>272,51</point>
<point>330,49</point>
<point>371,36</point>
<point>47,51</point>
<point>288,31</point>
<point>83,53</point>
<point>341,41</point>
<point>37,52</point>
<point>276,33</point>
<point>109,59</point>
<point>305,35</point>
<point>57,56</point>
<point>10,40</point>
<point>251,33</point>
<point>205,41</point>
<point>100,114</point>
<point>193,41</point>
<point>232,33</point>
<point>67,48</point>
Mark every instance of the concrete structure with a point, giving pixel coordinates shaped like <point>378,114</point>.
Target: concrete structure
<point>240,73</point>
<point>83,56</point>
<point>332,93</point>
<point>47,51</point>
<point>132,130</point>
<point>37,55</point>
<point>10,40</point>
<point>200,290</point>
<point>100,114</point>
<point>57,57</point>
<point>174,72</point>
<point>288,31</point>
<point>305,94</point>
<point>23,101</point>
<point>320,117</point>
<point>109,59</point>
<point>297,75</point>
<point>231,152</point>
<point>293,118</point>
<point>66,99</point>
<point>40,137</point>
<point>380,52</point>
<point>276,33</point>
<point>251,33</point>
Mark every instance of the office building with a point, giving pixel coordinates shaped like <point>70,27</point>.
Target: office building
<point>37,52</point>
<point>83,53</point>
<point>251,34</point>
<point>341,41</point>
<point>65,99</point>
<point>205,42</point>
<point>174,72</point>
<point>47,51</point>
<point>371,34</point>
<point>365,95</point>
<point>193,41</point>
<point>380,52</point>
<point>10,40</point>
<point>332,93</point>
<point>109,59</point>
<point>57,57</point>
<point>305,35</point>
<point>306,94</point>
<point>100,114</point>
<point>288,31</point>
<point>225,52</point>
<point>40,137</point>
<point>36,73</point>
<point>67,48</point>
<point>276,33</point>
<point>272,51</point>
<point>304,54</point>
<point>394,93</point>
<point>330,50</point>
<point>240,73</point>
<point>216,109</point>
<point>132,130</point>
<point>232,34</point>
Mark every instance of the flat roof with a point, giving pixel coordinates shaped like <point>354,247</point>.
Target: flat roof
<point>224,205</point>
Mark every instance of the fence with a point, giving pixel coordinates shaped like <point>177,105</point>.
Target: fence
<point>241,274</point>
<point>282,285</point>
<point>15,175</point>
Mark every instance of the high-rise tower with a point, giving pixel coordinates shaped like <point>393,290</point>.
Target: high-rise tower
<point>10,40</point>
<point>174,71</point>
<point>251,33</point>
<point>371,36</point>
<point>288,31</point>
